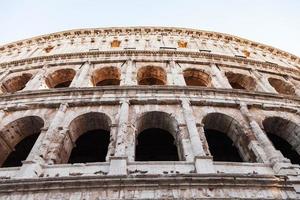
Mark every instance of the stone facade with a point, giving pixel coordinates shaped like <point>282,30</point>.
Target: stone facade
<point>125,81</point>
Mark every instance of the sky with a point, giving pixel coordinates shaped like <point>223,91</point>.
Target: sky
<point>272,22</point>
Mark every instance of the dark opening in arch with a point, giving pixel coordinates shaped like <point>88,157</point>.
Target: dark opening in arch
<point>196,77</point>
<point>92,146</point>
<point>155,144</point>
<point>63,84</point>
<point>60,78</point>
<point>106,76</point>
<point>22,150</point>
<point>285,148</point>
<point>16,83</point>
<point>241,81</point>
<point>284,134</point>
<point>225,135</point>
<point>151,75</point>
<point>221,147</point>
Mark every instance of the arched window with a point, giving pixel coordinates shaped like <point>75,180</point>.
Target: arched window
<point>16,83</point>
<point>226,139</point>
<point>196,77</point>
<point>91,133</point>
<point>285,136</point>
<point>155,140</point>
<point>17,140</point>
<point>241,81</point>
<point>60,78</point>
<point>281,86</point>
<point>106,76</point>
<point>151,75</point>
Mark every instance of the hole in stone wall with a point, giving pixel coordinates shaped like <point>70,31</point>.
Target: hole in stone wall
<point>241,81</point>
<point>281,86</point>
<point>195,77</point>
<point>156,137</point>
<point>22,149</point>
<point>156,144</point>
<point>16,83</point>
<point>91,134</point>
<point>285,148</point>
<point>151,75</point>
<point>21,135</point>
<point>60,78</point>
<point>285,136</point>
<point>106,76</point>
<point>221,147</point>
<point>90,147</point>
<point>226,139</point>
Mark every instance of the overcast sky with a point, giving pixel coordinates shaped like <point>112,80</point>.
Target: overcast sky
<point>273,22</point>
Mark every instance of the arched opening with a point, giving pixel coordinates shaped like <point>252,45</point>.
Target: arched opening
<point>22,150</point>
<point>106,76</point>
<point>17,140</point>
<point>60,78</point>
<point>226,139</point>
<point>91,133</point>
<point>16,83</point>
<point>285,136</point>
<point>281,86</point>
<point>241,81</point>
<point>151,75</point>
<point>196,77</point>
<point>155,140</point>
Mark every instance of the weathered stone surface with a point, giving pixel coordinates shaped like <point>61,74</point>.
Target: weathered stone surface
<point>123,81</point>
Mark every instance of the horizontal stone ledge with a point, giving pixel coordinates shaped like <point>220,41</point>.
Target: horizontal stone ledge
<point>196,180</point>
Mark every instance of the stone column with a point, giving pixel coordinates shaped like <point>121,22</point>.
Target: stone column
<point>118,163</point>
<point>219,80</point>
<point>127,74</point>
<point>177,74</point>
<point>50,147</point>
<point>273,156</point>
<point>263,82</point>
<point>82,77</point>
<point>203,163</point>
<point>36,82</point>
<point>203,139</point>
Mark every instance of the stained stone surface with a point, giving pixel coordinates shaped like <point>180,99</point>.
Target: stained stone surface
<point>176,84</point>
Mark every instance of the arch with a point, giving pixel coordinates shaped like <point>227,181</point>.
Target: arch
<point>151,75</point>
<point>91,134</point>
<point>285,136</point>
<point>282,87</point>
<point>157,134</point>
<point>60,78</point>
<point>106,76</point>
<point>196,77</point>
<point>16,83</point>
<point>17,138</point>
<point>226,139</point>
<point>241,81</point>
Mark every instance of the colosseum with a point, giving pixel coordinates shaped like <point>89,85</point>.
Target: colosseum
<point>148,113</point>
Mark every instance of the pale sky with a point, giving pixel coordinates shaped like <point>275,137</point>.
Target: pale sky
<point>272,22</point>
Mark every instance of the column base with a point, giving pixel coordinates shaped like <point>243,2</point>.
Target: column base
<point>118,166</point>
<point>204,165</point>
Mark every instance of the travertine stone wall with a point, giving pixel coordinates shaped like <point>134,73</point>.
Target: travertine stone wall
<point>125,80</point>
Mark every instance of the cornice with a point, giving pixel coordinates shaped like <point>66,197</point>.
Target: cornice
<point>149,30</point>
<point>202,96</point>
